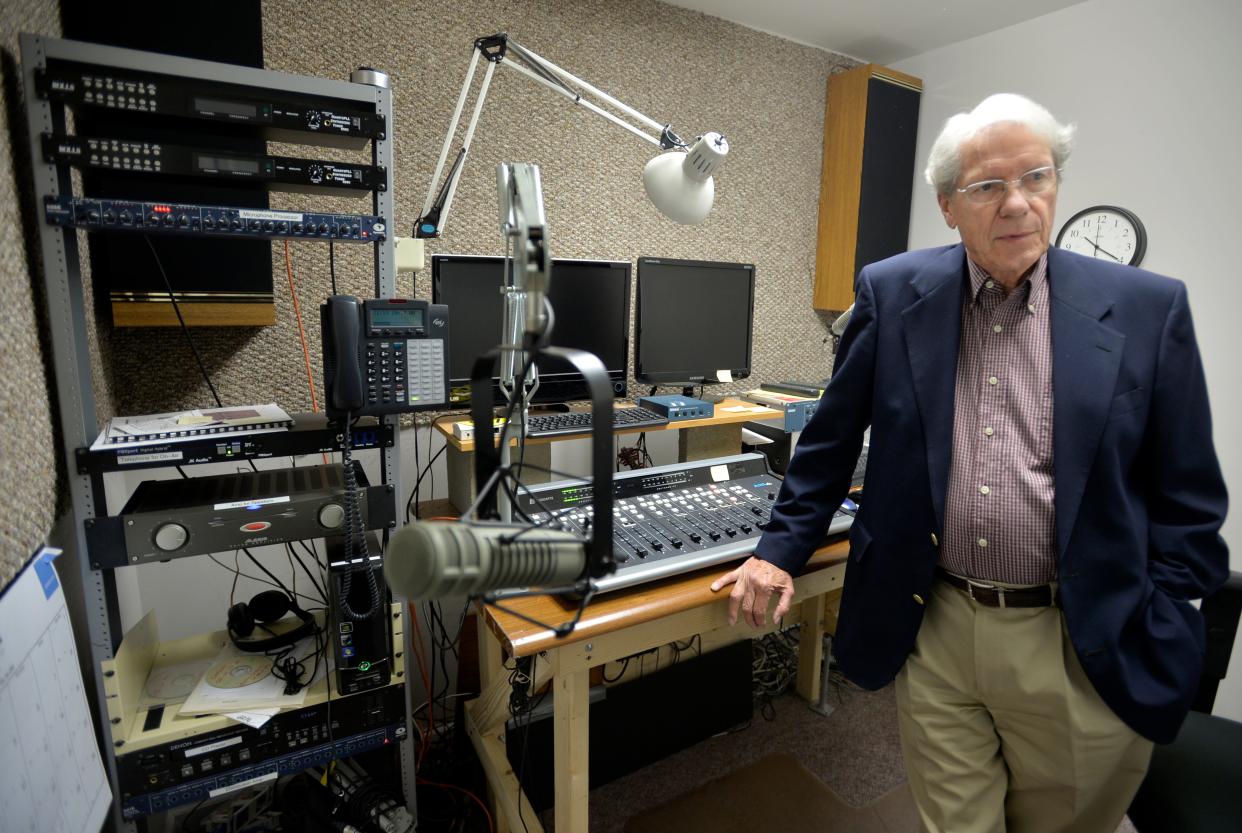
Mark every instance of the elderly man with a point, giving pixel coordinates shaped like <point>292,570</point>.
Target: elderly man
<point>1042,499</point>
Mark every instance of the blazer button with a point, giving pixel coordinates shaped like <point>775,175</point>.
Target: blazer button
<point>935,540</point>
<point>918,599</point>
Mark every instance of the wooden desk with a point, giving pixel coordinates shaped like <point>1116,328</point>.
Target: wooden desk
<point>615,626</point>
<point>699,439</point>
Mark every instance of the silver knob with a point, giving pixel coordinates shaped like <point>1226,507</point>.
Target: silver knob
<point>171,536</point>
<point>331,515</point>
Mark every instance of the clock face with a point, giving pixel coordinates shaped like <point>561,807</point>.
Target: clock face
<point>1105,232</point>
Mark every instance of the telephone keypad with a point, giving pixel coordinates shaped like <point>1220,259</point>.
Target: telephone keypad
<point>388,380</point>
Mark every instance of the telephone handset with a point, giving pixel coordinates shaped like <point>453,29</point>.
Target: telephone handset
<point>384,355</point>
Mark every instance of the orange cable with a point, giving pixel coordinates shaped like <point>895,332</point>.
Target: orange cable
<point>417,642</point>
<point>297,309</point>
<point>490,826</point>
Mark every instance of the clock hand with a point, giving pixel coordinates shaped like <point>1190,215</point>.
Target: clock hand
<point>1100,248</point>
<point>1107,252</point>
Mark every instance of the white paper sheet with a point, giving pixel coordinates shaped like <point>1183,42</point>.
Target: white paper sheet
<point>55,777</point>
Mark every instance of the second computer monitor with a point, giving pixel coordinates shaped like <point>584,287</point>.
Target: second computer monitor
<point>694,321</point>
<point>591,307</point>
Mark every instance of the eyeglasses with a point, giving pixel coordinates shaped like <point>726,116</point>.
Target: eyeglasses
<point>991,190</point>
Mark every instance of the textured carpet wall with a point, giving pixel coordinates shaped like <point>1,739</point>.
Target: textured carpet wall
<point>699,73</point>
<point>27,456</point>
<point>765,94</point>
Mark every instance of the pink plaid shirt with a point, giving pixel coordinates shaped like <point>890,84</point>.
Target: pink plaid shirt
<point>999,518</point>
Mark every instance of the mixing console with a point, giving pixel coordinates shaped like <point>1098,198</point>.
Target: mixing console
<point>673,519</point>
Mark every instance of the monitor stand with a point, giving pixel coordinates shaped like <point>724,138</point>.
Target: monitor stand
<point>713,398</point>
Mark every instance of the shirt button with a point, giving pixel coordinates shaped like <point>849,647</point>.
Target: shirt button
<point>992,380</point>
<point>996,328</point>
<point>983,490</point>
<point>935,540</point>
<point>1030,307</point>
<point>988,284</point>
<point>918,599</point>
<point>988,431</point>
<point>983,542</point>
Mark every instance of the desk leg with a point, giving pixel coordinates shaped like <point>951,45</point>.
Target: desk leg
<point>811,647</point>
<point>460,465</point>
<point>571,732</point>
<point>491,654</point>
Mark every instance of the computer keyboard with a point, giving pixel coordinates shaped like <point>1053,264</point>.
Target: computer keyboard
<point>579,422</point>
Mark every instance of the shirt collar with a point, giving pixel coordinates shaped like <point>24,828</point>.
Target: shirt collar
<point>1030,284</point>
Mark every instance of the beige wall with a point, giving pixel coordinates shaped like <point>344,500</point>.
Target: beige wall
<point>28,456</point>
<point>699,73</point>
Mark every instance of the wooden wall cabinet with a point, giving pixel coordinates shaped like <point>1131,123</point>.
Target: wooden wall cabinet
<point>870,129</point>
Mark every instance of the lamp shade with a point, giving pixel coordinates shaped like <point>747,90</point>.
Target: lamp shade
<point>680,183</point>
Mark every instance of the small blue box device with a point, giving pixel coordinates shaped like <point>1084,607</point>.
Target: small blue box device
<point>678,407</point>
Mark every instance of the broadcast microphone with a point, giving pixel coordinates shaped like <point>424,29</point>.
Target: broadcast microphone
<point>437,559</point>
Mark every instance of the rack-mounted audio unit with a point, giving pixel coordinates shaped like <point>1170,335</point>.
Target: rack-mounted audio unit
<point>213,220</point>
<point>286,173</point>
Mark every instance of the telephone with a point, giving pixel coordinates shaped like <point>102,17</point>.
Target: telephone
<point>384,355</point>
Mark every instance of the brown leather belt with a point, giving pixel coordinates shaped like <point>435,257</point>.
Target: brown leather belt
<point>990,595</point>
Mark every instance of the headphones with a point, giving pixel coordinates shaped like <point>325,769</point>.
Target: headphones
<point>268,606</point>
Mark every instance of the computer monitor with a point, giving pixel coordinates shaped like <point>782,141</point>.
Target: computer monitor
<point>591,307</point>
<point>694,319</point>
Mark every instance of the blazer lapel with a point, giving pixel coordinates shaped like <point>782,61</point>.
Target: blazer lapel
<point>933,329</point>
<point>1085,361</point>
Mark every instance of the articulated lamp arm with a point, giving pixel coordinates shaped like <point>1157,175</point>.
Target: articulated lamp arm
<point>679,181</point>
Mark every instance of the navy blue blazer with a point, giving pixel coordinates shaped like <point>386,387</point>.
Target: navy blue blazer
<point>1139,494</point>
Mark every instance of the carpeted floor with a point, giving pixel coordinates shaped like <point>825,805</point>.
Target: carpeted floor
<point>855,751</point>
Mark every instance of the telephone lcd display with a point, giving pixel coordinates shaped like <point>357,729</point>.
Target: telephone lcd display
<point>400,319</point>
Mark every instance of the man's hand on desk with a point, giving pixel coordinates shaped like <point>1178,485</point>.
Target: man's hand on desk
<point>753,585</point>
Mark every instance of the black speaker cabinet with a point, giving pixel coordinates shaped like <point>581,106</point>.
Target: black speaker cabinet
<point>870,129</point>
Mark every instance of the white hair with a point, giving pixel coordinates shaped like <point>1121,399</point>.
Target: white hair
<point>944,163</point>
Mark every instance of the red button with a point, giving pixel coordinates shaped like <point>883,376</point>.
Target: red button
<point>255,526</point>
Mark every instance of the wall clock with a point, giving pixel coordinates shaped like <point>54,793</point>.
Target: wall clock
<point>1105,232</point>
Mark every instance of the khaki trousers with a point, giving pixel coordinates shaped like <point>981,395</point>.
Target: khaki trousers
<point>1001,729</point>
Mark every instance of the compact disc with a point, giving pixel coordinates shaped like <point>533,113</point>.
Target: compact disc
<point>238,672</point>
<point>175,682</point>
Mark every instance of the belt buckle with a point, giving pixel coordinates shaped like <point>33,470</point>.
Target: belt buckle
<point>999,591</point>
